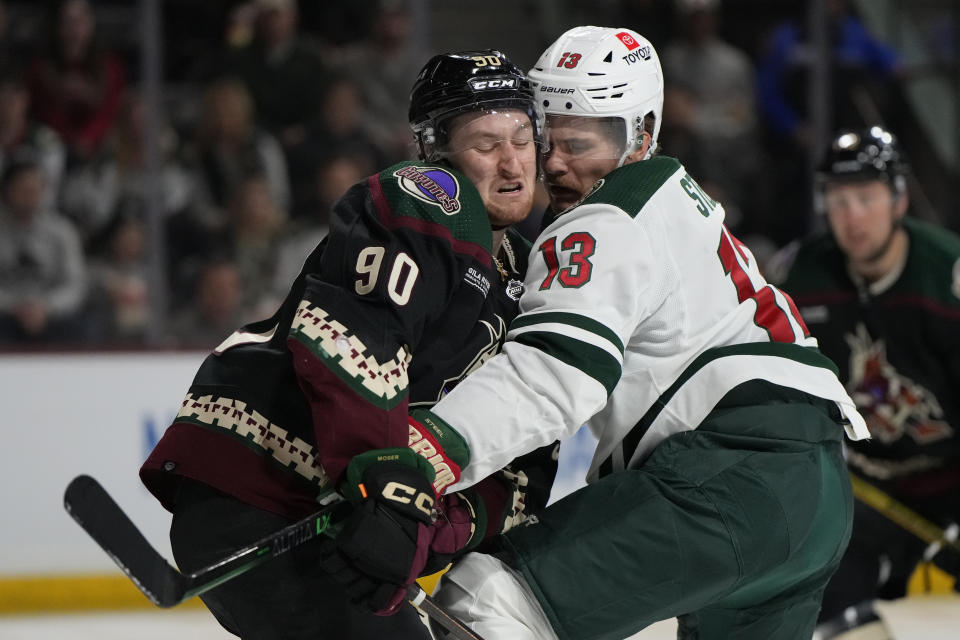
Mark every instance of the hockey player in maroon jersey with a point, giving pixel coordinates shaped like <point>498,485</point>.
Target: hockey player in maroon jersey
<point>880,291</point>
<point>411,291</point>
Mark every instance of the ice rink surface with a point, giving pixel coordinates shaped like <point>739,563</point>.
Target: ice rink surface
<point>188,624</point>
<point>919,618</point>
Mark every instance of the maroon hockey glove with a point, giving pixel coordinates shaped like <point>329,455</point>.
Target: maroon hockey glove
<point>461,524</point>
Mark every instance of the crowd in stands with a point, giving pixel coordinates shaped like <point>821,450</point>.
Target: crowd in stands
<point>271,126</point>
<point>279,126</point>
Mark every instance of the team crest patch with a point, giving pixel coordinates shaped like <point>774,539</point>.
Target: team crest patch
<point>432,185</point>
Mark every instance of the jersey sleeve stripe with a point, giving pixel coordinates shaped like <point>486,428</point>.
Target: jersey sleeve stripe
<point>571,319</point>
<point>383,384</point>
<point>587,358</point>
<point>574,334</point>
<point>425,227</point>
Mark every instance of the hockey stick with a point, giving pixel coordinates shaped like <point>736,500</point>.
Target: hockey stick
<point>905,517</point>
<point>89,504</point>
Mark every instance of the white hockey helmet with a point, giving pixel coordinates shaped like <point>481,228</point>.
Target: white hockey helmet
<point>602,72</point>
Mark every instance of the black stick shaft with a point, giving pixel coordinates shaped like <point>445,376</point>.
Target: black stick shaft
<point>101,517</point>
<point>247,558</point>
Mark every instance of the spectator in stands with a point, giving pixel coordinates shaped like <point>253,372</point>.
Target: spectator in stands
<point>343,127</point>
<point>252,236</point>
<point>710,117</point>
<point>216,308</point>
<point>881,293</point>
<point>76,85</point>
<point>115,183</point>
<point>335,174</point>
<point>283,71</point>
<point>227,147</point>
<point>388,61</point>
<point>859,60</point>
<point>119,307</point>
<point>42,267</point>
<point>20,133</point>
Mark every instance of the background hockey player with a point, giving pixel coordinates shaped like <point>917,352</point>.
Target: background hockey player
<point>881,292</point>
<point>397,305</point>
<point>718,491</point>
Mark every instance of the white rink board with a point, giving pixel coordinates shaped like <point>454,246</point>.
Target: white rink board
<point>64,415</point>
<point>100,414</point>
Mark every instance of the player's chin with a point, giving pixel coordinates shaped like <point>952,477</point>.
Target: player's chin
<point>558,203</point>
<point>510,212</point>
<point>562,198</point>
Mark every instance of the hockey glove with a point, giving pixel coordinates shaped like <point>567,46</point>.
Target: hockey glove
<point>382,545</point>
<point>386,543</point>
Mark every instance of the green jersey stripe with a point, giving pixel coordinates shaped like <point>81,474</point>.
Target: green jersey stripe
<point>803,355</point>
<point>572,319</point>
<point>587,358</point>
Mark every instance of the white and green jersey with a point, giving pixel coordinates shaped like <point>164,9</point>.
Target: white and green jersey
<point>640,312</point>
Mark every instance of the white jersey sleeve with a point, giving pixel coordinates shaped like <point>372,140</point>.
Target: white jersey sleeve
<point>637,304</point>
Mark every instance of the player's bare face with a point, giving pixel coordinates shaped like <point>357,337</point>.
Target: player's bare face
<point>496,151</point>
<point>581,151</point>
<point>862,216</point>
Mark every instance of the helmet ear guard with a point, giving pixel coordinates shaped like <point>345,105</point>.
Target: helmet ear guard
<point>453,84</point>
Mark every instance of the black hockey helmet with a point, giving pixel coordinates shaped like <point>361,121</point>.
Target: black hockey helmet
<point>866,154</point>
<point>451,84</point>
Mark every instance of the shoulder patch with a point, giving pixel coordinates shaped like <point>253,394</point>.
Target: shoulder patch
<point>431,197</point>
<point>432,185</point>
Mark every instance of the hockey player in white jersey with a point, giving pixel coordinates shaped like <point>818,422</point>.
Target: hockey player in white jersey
<point>717,492</point>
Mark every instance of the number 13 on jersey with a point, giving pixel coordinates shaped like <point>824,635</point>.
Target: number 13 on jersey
<point>580,245</point>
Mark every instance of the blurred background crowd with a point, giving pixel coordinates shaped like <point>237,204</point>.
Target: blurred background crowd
<point>167,165</point>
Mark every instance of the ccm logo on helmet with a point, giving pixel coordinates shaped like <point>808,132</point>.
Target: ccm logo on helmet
<point>643,53</point>
<point>494,83</point>
<point>405,494</point>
